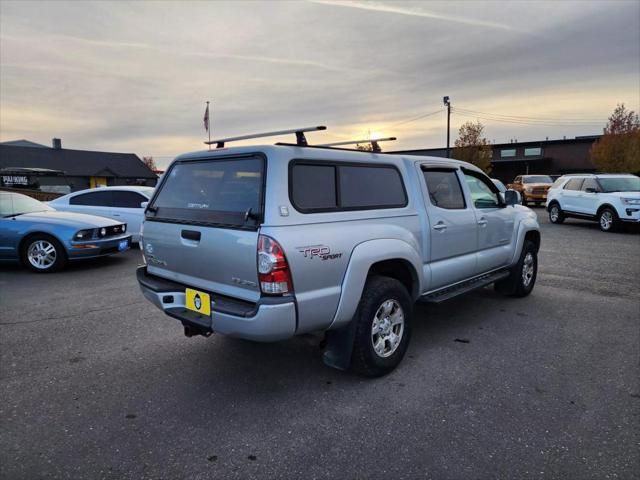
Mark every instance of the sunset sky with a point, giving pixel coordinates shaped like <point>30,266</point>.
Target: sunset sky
<point>134,77</point>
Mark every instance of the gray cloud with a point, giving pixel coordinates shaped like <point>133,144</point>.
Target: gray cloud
<point>134,76</point>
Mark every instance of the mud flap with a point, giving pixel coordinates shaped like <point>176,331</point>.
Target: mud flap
<point>339,347</point>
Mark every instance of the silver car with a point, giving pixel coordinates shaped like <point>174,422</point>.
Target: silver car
<point>268,242</point>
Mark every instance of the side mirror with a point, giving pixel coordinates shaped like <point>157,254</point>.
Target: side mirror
<point>511,197</point>
<point>144,204</point>
<point>591,190</point>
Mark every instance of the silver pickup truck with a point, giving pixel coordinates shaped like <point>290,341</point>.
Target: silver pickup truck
<point>268,242</point>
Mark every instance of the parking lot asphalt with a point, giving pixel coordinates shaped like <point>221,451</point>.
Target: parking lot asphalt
<point>97,383</point>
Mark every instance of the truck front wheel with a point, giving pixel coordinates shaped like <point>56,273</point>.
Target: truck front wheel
<point>523,275</point>
<point>383,327</point>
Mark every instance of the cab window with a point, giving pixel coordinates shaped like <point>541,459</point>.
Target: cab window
<point>482,195</point>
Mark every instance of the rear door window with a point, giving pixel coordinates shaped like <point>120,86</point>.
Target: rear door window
<point>220,192</point>
<point>95,199</point>
<point>574,184</point>
<point>444,189</point>
<point>590,183</point>
<point>126,199</point>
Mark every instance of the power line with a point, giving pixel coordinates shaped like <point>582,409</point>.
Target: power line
<point>520,122</point>
<point>521,117</point>
<point>415,118</point>
<point>551,122</point>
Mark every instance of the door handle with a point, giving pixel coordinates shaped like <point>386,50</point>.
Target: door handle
<point>190,235</point>
<point>482,222</point>
<point>440,226</point>
<point>116,214</point>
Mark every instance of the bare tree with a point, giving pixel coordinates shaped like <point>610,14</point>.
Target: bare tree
<point>148,161</point>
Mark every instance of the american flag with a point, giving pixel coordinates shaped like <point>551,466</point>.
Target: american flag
<point>206,118</point>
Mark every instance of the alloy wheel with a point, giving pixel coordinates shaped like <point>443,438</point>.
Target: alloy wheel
<point>606,220</point>
<point>528,267</point>
<point>42,254</point>
<point>387,328</point>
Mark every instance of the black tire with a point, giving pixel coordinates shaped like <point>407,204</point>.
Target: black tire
<point>608,220</point>
<point>524,200</point>
<point>59,255</point>
<point>377,292</point>
<point>556,216</point>
<point>514,285</point>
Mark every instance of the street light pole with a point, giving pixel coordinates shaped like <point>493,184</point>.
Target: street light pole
<point>447,102</point>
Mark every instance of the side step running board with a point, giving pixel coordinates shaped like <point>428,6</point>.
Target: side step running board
<point>464,287</point>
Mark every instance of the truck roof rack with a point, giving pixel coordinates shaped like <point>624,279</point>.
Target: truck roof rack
<point>374,143</point>
<point>301,141</point>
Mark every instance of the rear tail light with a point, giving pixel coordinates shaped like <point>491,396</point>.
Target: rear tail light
<point>273,270</point>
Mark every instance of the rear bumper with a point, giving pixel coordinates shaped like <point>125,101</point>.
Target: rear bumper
<point>269,320</point>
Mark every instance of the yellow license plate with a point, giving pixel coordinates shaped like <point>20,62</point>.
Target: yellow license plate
<point>198,301</point>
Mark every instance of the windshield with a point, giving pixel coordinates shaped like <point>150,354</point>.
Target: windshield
<point>620,184</point>
<point>537,179</point>
<point>220,192</point>
<point>17,204</point>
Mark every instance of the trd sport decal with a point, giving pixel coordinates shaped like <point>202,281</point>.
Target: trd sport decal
<point>320,251</point>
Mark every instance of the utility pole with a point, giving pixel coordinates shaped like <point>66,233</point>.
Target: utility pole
<point>446,101</point>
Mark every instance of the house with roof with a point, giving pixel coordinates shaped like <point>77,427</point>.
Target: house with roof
<point>25,164</point>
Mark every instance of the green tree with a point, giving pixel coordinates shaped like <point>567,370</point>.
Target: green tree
<point>472,147</point>
<point>618,150</point>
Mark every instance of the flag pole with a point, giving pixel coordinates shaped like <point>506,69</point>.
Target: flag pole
<point>209,125</point>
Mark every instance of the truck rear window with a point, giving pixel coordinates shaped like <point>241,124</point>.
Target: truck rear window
<point>220,192</point>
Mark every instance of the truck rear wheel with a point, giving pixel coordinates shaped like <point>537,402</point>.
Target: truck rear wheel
<point>383,327</point>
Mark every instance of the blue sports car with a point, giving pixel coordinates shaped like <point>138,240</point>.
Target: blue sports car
<point>44,239</point>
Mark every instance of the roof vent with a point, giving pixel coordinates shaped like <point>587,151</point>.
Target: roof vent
<point>57,143</point>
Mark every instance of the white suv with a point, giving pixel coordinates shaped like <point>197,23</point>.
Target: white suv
<point>609,199</point>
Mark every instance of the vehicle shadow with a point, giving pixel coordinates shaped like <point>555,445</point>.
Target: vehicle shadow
<point>110,261</point>
<point>593,226</point>
<point>251,370</point>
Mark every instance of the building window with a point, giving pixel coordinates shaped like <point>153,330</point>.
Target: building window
<point>511,152</point>
<point>533,152</point>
